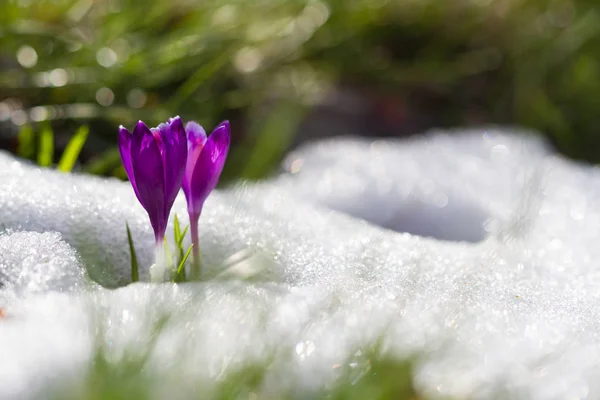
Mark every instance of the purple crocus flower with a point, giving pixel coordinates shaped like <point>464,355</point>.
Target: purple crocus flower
<point>206,157</point>
<point>154,160</point>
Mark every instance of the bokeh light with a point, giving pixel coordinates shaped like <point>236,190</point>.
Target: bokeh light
<point>27,56</point>
<point>105,96</point>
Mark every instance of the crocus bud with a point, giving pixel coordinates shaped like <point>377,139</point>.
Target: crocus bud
<point>154,160</point>
<point>206,157</point>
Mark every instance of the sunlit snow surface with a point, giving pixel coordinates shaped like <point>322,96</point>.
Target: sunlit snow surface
<point>475,253</point>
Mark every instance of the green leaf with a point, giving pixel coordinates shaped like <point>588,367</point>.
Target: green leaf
<point>67,161</point>
<point>178,234</point>
<point>275,133</point>
<point>179,274</point>
<point>134,265</point>
<point>182,237</point>
<point>176,229</point>
<point>182,264</point>
<point>46,150</point>
<point>26,147</point>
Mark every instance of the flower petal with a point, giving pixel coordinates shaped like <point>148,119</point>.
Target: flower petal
<point>125,139</point>
<point>174,154</point>
<point>196,137</point>
<point>148,172</point>
<point>208,167</point>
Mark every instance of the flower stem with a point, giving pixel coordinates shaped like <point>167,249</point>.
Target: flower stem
<point>157,271</point>
<point>196,271</point>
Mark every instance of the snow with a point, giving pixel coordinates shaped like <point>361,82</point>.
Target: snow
<point>473,252</point>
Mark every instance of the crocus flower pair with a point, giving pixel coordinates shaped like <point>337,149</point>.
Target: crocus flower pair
<point>159,161</point>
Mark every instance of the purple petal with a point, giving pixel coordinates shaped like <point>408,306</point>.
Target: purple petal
<point>196,137</point>
<point>148,172</point>
<point>208,167</point>
<point>174,153</point>
<point>125,138</point>
<point>195,133</point>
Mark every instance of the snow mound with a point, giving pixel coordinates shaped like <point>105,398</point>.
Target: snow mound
<point>475,253</point>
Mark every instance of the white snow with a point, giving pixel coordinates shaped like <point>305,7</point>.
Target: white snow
<point>495,288</point>
<point>33,262</point>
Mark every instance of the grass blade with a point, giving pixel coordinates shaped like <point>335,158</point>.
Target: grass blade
<point>46,150</point>
<point>135,277</point>
<point>182,237</point>
<point>275,133</point>
<point>178,235</point>
<point>67,161</point>
<point>26,148</point>
<point>179,273</point>
<point>176,229</point>
<point>182,264</point>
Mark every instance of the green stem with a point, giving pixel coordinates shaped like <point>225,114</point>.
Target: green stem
<point>196,272</point>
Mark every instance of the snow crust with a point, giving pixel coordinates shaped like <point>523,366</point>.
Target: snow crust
<point>474,252</point>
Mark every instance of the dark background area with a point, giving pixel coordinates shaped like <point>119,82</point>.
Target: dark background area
<point>286,71</point>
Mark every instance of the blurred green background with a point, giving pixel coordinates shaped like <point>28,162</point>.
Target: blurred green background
<point>286,71</point>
